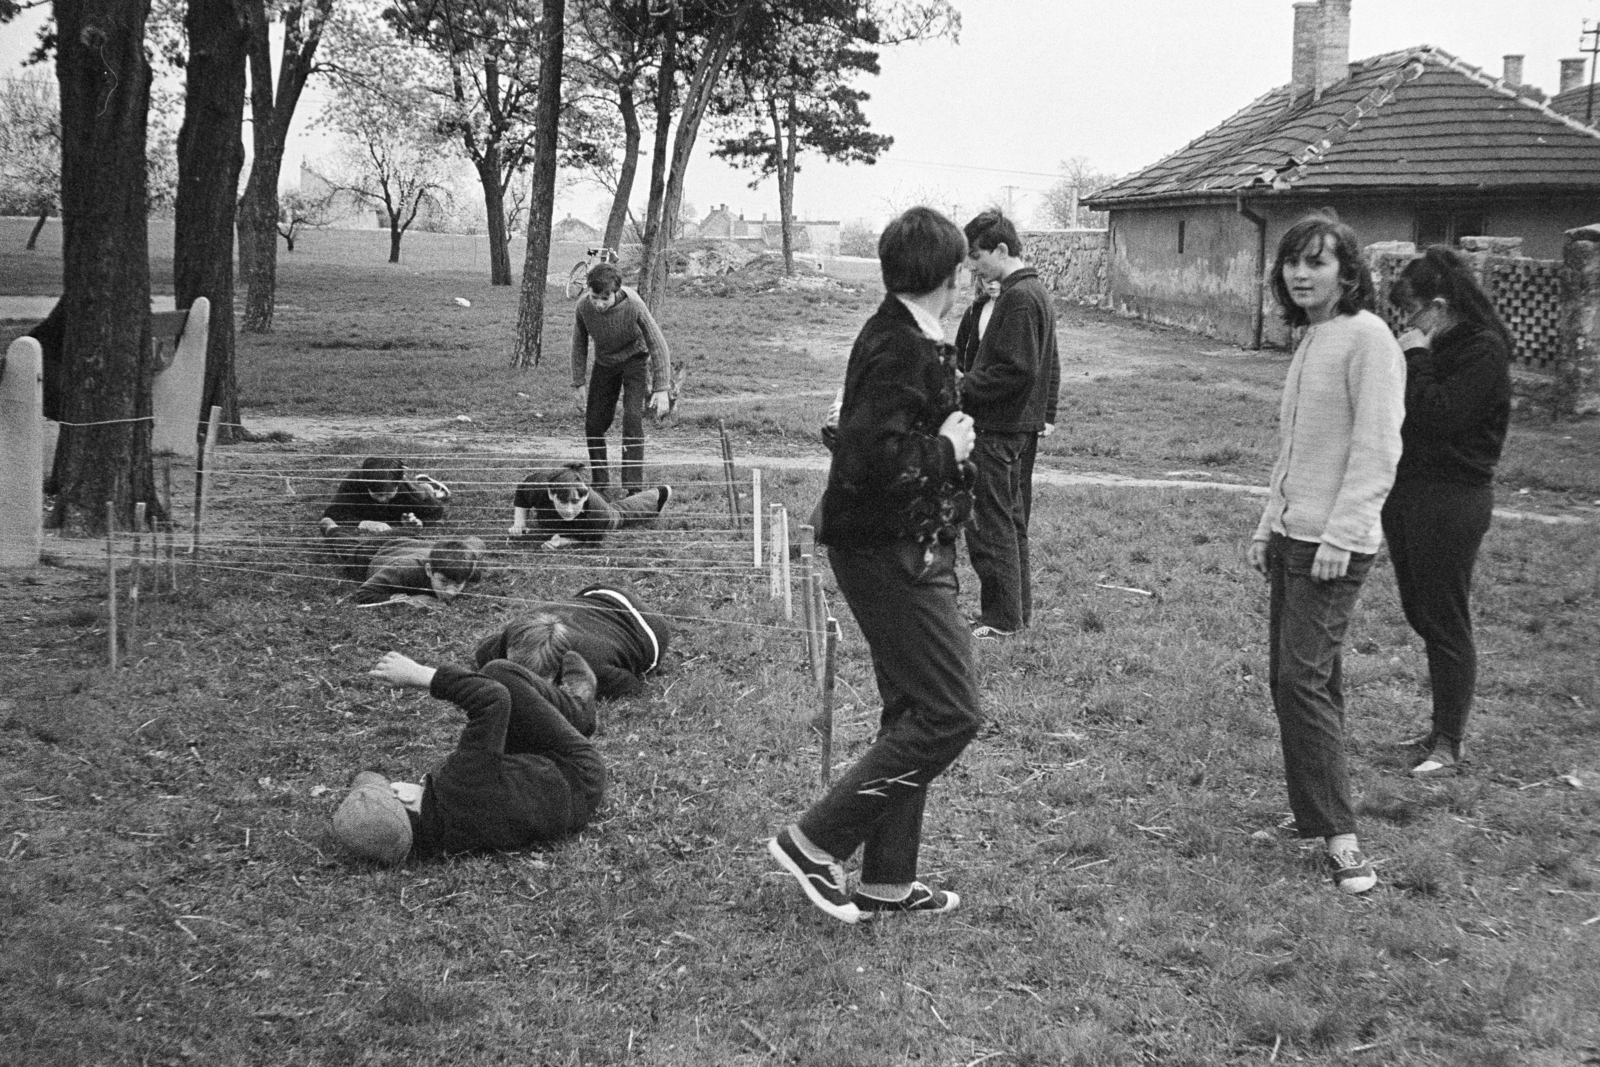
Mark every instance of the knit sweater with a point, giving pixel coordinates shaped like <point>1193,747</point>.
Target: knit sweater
<point>893,476</point>
<point>1339,433</point>
<point>1014,380</point>
<point>482,798</point>
<point>1458,402</point>
<point>619,332</point>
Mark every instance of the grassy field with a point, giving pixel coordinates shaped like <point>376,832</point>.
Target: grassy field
<point>170,891</point>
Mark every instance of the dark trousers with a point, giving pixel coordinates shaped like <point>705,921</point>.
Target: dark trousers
<point>548,721</point>
<point>1434,530</point>
<point>904,599</point>
<point>997,535</point>
<point>630,380</point>
<point>1308,620</point>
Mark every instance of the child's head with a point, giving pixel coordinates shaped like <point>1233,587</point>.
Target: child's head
<point>1439,285</point>
<point>986,232</point>
<point>605,282</point>
<point>569,490</point>
<point>538,643</point>
<point>372,821</point>
<point>1323,255</point>
<point>452,563</point>
<point>381,475</point>
<point>920,251</point>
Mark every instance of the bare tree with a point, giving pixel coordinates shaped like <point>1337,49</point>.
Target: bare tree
<point>542,198</point>
<point>298,211</point>
<point>30,150</point>
<point>391,157</point>
<point>1063,203</point>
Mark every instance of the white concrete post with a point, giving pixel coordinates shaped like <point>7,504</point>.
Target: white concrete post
<point>22,445</point>
<point>176,391</point>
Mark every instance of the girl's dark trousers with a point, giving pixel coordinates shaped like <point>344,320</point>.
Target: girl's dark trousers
<point>1434,529</point>
<point>903,597</point>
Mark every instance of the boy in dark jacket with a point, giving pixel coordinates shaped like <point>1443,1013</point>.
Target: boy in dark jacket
<point>382,493</point>
<point>899,488</point>
<point>521,774</point>
<point>1010,391</point>
<point>559,507</point>
<point>609,626</point>
<point>409,569</point>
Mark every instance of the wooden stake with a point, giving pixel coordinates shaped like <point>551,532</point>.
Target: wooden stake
<point>755,518</point>
<point>775,546</point>
<point>808,602</point>
<point>829,675</point>
<point>111,582</point>
<point>734,518</point>
<point>172,557</point>
<point>202,481</point>
<point>788,583</point>
<point>137,573</point>
<point>819,614</point>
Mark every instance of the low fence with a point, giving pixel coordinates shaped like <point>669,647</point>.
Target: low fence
<point>1550,307</point>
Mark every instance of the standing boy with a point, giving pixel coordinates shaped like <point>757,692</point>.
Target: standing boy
<point>899,489</point>
<point>1010,392</point>
<point>630,357</point>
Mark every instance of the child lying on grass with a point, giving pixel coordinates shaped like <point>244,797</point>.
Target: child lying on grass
<point>521,774</point>
<point>608,625</point>
<point>405,569</point>
<point>564,508</point>
<point>382,493</point>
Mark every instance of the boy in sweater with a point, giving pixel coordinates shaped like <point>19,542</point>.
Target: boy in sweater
<point>1010,390</point>
<point>404,569</point>
<point>630,357</point>
<point>558,507</point>
<point>520,775</point>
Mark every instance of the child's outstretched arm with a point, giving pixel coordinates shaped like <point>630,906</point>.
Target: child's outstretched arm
<point>396,669</point>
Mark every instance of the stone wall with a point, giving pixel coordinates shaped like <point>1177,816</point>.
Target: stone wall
<point>1071,263</point>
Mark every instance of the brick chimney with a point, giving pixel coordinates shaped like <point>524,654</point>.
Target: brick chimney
<point>1321,47</point>
<point>1513,71</point>
<point>1571,73</point>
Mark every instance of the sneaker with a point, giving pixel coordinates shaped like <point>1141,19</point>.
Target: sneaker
<point>663,495</point>
<point>1351,871</point>
<point>920,901</point>
<point>327,524</point>
<point>985,632</point>
<point>823,882</point>
<point>1438,764</point>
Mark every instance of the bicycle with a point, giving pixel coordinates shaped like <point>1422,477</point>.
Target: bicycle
<point>578,277</point>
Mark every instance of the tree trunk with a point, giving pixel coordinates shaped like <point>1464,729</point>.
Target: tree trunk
<point>104,449</point>
<point>494,206</point>
<point>784,132</point>
<point>542,201</point>
<point>288,241</point>
<point>210,156</point>
<point>630,166</point>
<point>395,232</point>
<point>33,237</point>
<point>651,239</point>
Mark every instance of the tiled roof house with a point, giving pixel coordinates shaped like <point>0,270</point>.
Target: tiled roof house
<point>1414,145</point>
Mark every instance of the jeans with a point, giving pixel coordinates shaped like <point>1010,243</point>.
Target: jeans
<point>997,534</point>
<point>1434,530</point>
<point>904,599</point>
<point>1308,619</point>
<point>630,380</point>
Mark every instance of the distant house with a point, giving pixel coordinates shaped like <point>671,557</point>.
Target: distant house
<point>1576,98</point>
<point>576,231</point>
<point>1413,146</point>
<point>818,236</point>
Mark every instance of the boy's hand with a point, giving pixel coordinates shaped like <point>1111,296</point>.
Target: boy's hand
<point>958,428</point>
<point>403,671</point>
<point>661,402</point>
<point>557,541</point>
<point>1049,428</point>
<point>580,399</point>
<point>517,529</point>
<point>373,526</point>
<point>410,519</point>
<point>1329,562</point>
<point>1257,555</point>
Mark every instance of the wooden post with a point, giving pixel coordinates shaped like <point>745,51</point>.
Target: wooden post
<point>172,556</point>
<point>808,604</point>
<point>788,583</point>
<point>137,572</point>
<point>819,614</point>
<point>775,546</point>
<point>755,518</point>
<point>111,582</point>
<point>829,675</point>
<point>734,518</point>
<point>202,478</point>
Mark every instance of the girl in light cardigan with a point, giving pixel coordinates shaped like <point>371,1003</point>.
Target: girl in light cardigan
<point>1339,423</point>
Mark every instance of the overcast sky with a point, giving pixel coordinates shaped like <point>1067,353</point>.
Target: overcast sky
<point>988,119</point>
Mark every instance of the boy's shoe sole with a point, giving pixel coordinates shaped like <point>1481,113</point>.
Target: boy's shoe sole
<point>1352,872</point>
<point>1437,765</point>
<point>663,497</point>
<point>823,882</point>
<point>920,901</point>
<point>991,633</point>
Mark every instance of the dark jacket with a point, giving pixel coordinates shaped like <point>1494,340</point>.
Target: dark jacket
<point>967,334</point>
<point>893,477</point>
<point>1016,376</point>
<point>610,629</point>
<point>353,503</point>
<point>483,798</point>
<point>1458,402</point>
<point>597,518</point>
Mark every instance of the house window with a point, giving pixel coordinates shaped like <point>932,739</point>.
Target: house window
<point>1180,236</point>
<point>1447,227</point>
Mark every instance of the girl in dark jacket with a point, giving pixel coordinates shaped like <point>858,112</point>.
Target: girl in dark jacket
<point>1458,402</point>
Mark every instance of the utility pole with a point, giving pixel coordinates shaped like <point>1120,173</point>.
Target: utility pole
<point>1589,41</point>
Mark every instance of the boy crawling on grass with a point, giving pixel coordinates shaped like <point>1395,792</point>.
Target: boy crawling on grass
<point>383,493</point>
<point>523,772</point>
<point>408,570</point>
<point>560,507</point>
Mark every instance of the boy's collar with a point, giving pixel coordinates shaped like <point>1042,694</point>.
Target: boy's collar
<point>930,326</point>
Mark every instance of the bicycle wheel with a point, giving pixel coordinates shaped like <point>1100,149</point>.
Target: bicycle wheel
<point>578,279</point>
